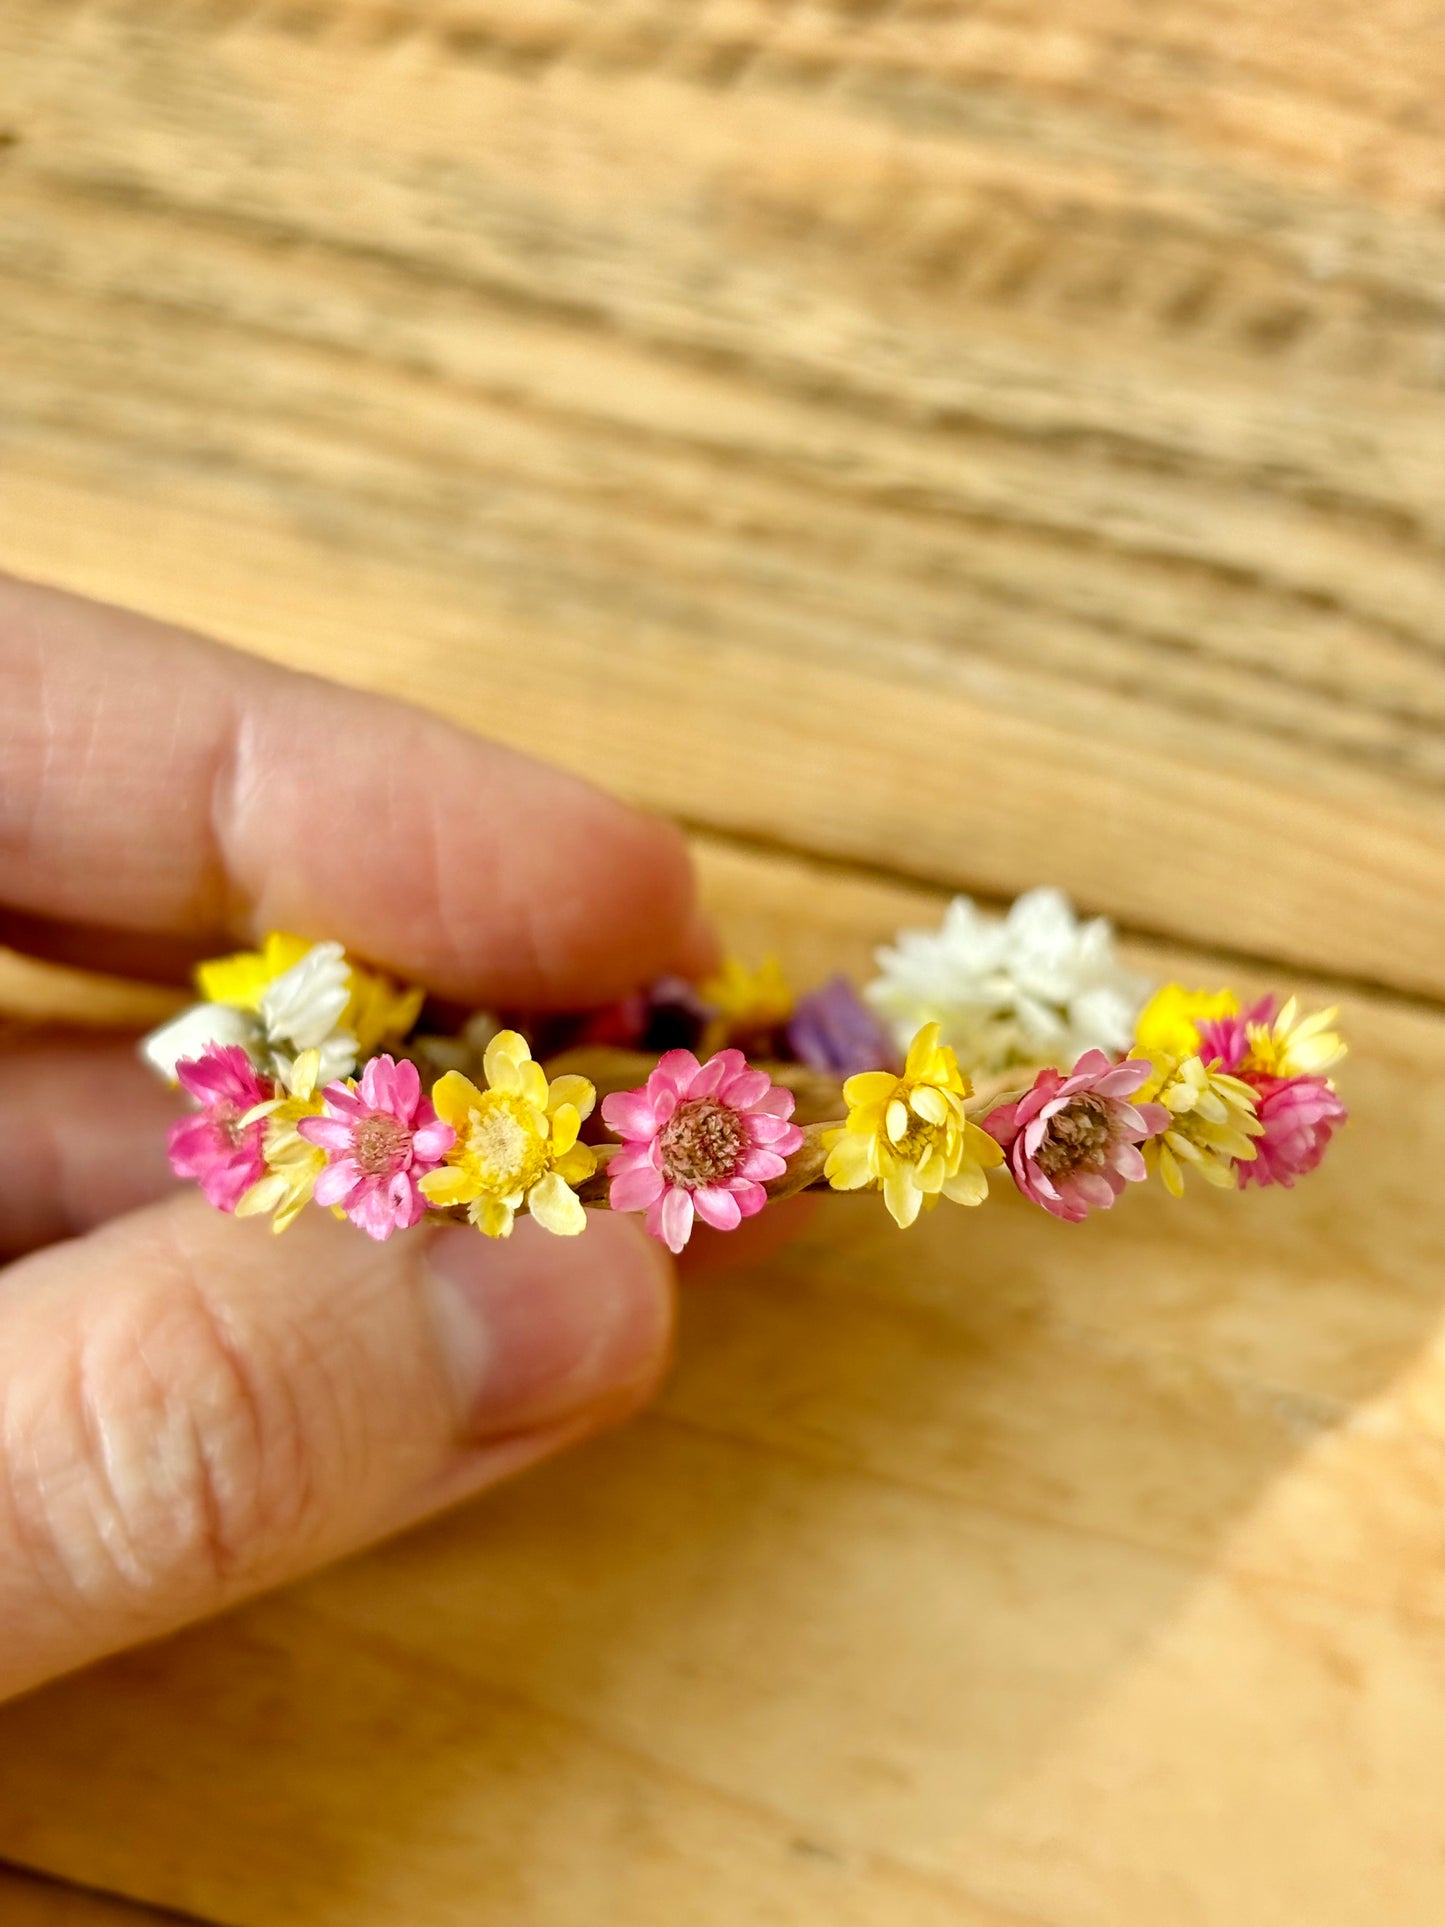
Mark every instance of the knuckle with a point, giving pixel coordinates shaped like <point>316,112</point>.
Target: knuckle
<point>158,1454</point>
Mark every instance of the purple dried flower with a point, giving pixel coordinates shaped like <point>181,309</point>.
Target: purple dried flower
<point>832,1029</point>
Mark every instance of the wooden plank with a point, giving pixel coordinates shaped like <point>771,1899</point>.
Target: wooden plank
<point>721,400</point>
<point>1002,1573</point>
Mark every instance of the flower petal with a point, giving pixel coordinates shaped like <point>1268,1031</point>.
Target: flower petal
<point>454,1098</point>
<point>675,1217</point>
<point>902,1195</point>
<point>431,1142</point>
<point>579,1092</point>
<point>634,1190</point>
<point>630,1114</point>
<point>447,1186</point>
<point>761,1166</point>
<point>503,1061</point>
<point>717,1207</point>
<point>556,1207</point>
<point>850,1162</point>
<point>331,1133</point>
<point>336,1183</point>
<point>744,1089</point>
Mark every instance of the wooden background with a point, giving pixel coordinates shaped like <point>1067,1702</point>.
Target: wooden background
<point>923,446</point>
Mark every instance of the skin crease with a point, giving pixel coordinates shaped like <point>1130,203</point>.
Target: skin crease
<point>190,1408</point>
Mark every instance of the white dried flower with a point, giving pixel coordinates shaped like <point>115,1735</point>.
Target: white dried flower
<point>194,1032</point>
<point>1036,986</point>
<point>301,1010</point>
<point>298,1011</point>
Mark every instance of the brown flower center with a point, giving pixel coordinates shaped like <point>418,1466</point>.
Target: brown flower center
<point>702,1142</point>
<point>1077,1138</point>
<point>378,1144</point>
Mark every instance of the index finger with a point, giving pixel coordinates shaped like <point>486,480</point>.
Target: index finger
<point>152,781</point>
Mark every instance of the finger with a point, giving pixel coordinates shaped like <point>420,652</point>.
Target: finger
<point>194,1410</point>
<point>84,1126</point>
<point>150,781</point>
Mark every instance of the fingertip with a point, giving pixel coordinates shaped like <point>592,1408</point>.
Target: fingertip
<point>535,1330</point>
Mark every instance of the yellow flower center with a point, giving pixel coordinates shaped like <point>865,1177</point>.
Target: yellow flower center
<point>921,1136</point>
<point>503,1148</point>
<point>1266,1052</point>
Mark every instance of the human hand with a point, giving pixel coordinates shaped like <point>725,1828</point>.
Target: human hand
<point>190,1409</point>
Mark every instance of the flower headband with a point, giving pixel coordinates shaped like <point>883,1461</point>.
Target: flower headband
<point>1014,1043</point>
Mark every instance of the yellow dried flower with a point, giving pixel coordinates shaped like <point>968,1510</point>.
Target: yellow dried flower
<point>1213,1120</point>
<point>292,1164</point>
<point>910,1137</point>
<point>1293,1046</point>
<point>516,1143</point>
<point>1168,1026</point>
<point>747,999</point>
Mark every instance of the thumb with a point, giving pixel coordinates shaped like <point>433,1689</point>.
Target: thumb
<point>192,1410</point>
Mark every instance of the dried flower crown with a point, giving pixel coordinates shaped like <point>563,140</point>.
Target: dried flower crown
<point>1014,1044</point>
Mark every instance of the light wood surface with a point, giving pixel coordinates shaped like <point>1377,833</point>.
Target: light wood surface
<point>923,446</point>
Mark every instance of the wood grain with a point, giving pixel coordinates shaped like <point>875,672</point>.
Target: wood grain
<point>921,445</point>
<point>720,396</point>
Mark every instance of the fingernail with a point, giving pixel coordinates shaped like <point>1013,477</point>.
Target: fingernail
<point>536,1329</point>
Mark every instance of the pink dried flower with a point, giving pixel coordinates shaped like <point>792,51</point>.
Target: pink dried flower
<point>1224,1041</point>
<point>224,1156</point>
<point>1072,1140</point>
<point>380,1137</point>
<point>1282,1058</point>
<point>699,1139</point>
<point>1298,1114</point>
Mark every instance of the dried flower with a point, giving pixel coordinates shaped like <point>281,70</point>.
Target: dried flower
<point>832,1029</point>
<point>748,999</point>
<point>1168,1025</point>
<point>699,1139</point>
<point>292,1164</point>
<point>516,1143</point>
<point>1212,1122</point>
<point>1288,1045</point>
<point>221,1147</point>
<point>910,1136</point>
<point>381,1137</point>
<point>1282,1057</point>
<point>1298,1116</point>
<point>299,1008</point>
<point>375,1009</point>
<point>197,1030</point>
<point>746,1008</point>
<point>1072,1140</point>
<point>1035,986</point>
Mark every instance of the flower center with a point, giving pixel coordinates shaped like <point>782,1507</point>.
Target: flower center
<point>503,1145</point>
<point>702,1142</point>
<point>921,1136</point>
<point>379,1145</point>
<point>1077,1138</point>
